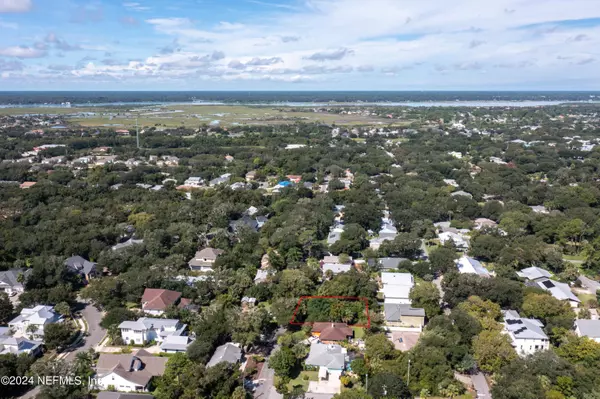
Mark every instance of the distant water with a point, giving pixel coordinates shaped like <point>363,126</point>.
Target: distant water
<point>296,98</point>
<point>458,103</point>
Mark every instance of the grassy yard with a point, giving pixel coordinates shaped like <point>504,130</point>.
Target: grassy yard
<point>585,297</point>
<point>359,332</point>
<point>578,258</point>
<point>300,381</point>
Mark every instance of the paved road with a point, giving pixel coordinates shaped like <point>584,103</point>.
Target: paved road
<point>96,333</point>
<point>266,390</point>
<point>481,386</point>
<point>93,317</point>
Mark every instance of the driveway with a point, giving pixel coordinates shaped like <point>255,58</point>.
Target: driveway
<point>481,386</point>
<point>266,390</point>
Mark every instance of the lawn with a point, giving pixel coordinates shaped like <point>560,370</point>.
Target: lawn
<point>579,258</point>
<point>584,298</point>
<point>359,332</point>
<point>300,381</point>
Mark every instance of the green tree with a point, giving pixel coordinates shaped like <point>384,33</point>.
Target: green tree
<point>283,361</point>
<point>388,385</point>
<point>63,309</point>
<point>427,296</point>
<point>6,308</point>
<point>379,347</point>
<point>492,350</point>
<point>116,316</point>
<point>57,335</point>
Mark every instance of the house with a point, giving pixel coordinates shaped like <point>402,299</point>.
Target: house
<point>224,178</point>
<point>330,356</point>
<point>390,263</point>
<point>560,291</point>
<point>27,184</point>
<point>460,241</point>
<point>229,353</point>
<point>588,328</point>
<point>333,263</point>
<point>175,343</point>
<point>250,175</point>
<point>37,316</point>
<point>79,265</point>
<point>294,178</point>
<point>461,193</point>
<point>204,260</point>
<point>375,243</point>
<point>331,332</point>
<point>402,316</point>
<point>193,182</point>
<point>451,182</point>
<point>155,300</point>
<point>534,273</point>
<point>147,329</point>
<point>9,280</point>
<point>262,276</point>
<point>128,372</point>
<point>396,287</point>
<point>539,209</point>
<point>129,243</point>
<point>229,158</point>
<point>526,335</point>
<point>246,221</point>
<point>467,264</point>
<point>484,223</point>
<point>591,286</point>
<point>18,346</point>
<point>248,302</point>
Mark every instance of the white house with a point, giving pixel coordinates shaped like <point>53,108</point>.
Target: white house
<point>396,287</point>
<point>128,372</point>
<point>17,346</point>
<point>204,260</point>
<point>458,239</point>
<point>469,265</point>
<point>147,329</point>
<point>526,335</point>
<point>38,316</point>
<point>560,291</point>
<point>11,281</point>
<point>588,328</point>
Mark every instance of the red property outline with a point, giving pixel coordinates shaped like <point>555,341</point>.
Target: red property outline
<point>354,298</point>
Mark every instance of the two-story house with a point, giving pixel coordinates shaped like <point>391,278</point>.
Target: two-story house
<point>128,372</point>
<point>526,335</point>
<point>147,329</point>
<point>37,317</point>
<point>204,260</point>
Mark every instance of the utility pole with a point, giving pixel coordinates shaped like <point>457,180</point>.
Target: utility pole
<point>137,132</point>
<point>408,379</point>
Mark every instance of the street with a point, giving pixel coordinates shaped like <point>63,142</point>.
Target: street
<point>92,316</point>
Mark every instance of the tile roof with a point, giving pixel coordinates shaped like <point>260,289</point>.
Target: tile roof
<point>332,331</point>
<point>159,299</point>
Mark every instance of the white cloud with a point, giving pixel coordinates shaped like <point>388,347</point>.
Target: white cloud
<point>15,5</point>
<point>22,52</point>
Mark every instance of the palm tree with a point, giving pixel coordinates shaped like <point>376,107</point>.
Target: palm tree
<point>31,329</point>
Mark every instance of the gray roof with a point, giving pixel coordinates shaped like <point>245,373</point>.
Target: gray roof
<point>534,273</point>
<point>390,263</point>
<point>323,355</point>
<point>17,345</point>
<point>79,264</point>
<point>333,237</point>
<point>261,275</point>
<point>176,343</point>
<point>337,267</point>
<point>395,311</point>
<point>127,244</point>
<point>521,328</point>
<point>461,193</point>
<point>588,328</point>
<point>558,290</point>
<point>588,283</point>
<point>9,278</point>
<point>228,352</point>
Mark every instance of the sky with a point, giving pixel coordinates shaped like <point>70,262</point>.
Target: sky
<point>300,45</point>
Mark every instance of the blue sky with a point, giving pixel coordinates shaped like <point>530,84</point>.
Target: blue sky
<point>300,45</point>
